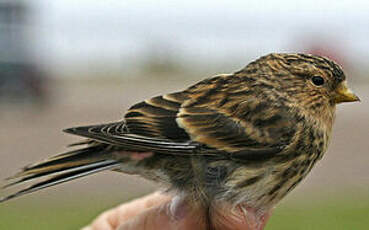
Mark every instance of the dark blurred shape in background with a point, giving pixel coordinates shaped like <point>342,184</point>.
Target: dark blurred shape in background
<point>21,83</point>
<point>20,79</point>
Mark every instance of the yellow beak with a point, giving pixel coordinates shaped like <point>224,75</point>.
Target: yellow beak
<point>344,94</point>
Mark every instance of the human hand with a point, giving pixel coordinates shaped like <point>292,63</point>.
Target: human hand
<point>160,211</point>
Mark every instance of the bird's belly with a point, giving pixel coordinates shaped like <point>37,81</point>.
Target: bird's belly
<point>264,187</point>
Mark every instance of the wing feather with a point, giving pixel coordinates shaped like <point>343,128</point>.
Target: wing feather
<point>133,142</point>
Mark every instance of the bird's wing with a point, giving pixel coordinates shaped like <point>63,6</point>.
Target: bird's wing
<point>220,114</point>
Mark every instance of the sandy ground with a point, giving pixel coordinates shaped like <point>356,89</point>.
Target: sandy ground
<point>28,134</point>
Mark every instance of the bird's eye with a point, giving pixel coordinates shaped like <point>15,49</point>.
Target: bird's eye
<point>317,80</point>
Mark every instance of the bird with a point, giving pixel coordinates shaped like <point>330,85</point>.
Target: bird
<point>245,139</point>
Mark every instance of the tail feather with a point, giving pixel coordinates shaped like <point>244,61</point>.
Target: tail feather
<point>66,161</point>
<point>84,142</point>
<point>64,177</point>
<point>47,173</point>
<point>67,166</point>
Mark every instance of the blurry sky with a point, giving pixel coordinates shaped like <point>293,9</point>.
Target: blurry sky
<point>80,33</point>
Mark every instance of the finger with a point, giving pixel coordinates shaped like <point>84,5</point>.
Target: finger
<point>129,210</point>
<point>160,217</point>
<point>109,220</point>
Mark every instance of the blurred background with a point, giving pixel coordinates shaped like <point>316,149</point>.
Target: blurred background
<point>67,63</point>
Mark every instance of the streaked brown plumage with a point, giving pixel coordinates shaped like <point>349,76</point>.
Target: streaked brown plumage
<point>245,138</point>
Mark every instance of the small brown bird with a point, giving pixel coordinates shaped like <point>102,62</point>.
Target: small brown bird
<point>244,139</point>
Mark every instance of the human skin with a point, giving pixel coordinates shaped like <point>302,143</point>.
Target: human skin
<point>161,211</point>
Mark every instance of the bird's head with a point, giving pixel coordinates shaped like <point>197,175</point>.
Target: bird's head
<point>312,83</point>
<point>306,76</point>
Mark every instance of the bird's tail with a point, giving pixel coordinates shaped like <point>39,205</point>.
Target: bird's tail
<point>64,167</point>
